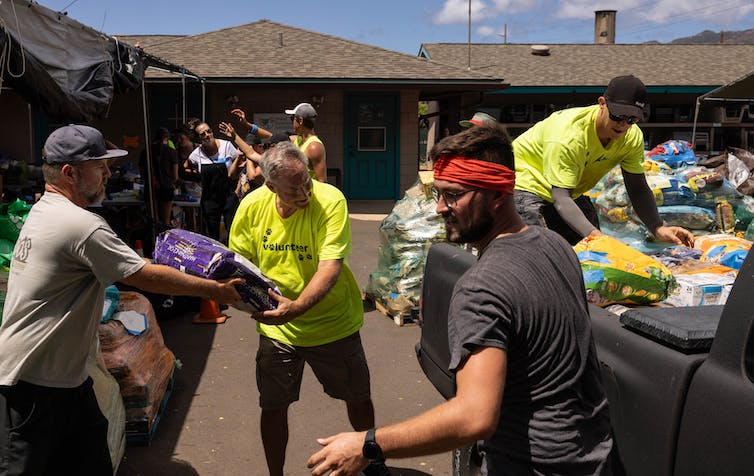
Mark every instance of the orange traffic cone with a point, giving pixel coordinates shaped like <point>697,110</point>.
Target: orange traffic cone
<point>209,313</point>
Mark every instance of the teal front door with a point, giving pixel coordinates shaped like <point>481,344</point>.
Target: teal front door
<point>371,147</point>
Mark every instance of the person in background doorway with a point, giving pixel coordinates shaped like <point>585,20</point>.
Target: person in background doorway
<point>65,257</point>
<point>183,138</point>
<point>165,178</point>
<point>249,175</point>
<point>213,158</point>
<point>303,118</point>
<point>277,138</point>
<point>564,156</point>
<point>478,119</point>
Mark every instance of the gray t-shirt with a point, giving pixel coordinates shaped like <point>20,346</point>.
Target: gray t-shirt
<point>526,295</point>
<point>64,258</point>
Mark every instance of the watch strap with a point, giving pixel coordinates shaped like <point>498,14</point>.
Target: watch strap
<point>372,450</point>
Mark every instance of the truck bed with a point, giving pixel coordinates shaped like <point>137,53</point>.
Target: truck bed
<point>646,383</point>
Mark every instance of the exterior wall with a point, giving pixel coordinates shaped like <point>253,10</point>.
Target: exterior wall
<point>329,126</point>
<point>409,139</point>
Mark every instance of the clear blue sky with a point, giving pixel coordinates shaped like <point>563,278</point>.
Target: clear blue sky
<point>403,25</point>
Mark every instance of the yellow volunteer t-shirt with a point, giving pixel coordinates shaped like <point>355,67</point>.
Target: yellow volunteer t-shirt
<point>303,144</point>
<point>288,251</point>
<point>564,151</point>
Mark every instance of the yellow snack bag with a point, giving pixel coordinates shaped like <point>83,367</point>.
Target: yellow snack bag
<point>616,273</point>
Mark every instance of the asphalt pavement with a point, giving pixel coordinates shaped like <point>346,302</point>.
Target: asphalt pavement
<point>210,426</point>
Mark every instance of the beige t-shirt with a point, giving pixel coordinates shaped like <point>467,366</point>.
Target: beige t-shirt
<point>64,258</point>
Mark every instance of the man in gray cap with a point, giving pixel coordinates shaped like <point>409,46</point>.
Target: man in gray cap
<point>302,117</point>
<point>64,258</point>
<point>479,118</point>
<point>563,156</point>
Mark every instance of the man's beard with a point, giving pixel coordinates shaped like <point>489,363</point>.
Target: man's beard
<point>93,198</point>
<point>475,232</point>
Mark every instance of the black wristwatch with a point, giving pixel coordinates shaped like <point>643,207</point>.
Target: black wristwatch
<point>371,450</point>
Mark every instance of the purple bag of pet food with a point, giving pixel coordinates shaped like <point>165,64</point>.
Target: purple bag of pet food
<point>199,255</point>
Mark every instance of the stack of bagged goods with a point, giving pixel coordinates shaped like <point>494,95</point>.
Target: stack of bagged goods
<point>710,196</point>
<point>700,283</point>
<point>405,237</point>
<point>615,273</point>
<point>725,249</point>
<point>199,255</point>
<point>135,354</point>
<point>674,153</point>
<point>12,218</point>
<point>688,194</point>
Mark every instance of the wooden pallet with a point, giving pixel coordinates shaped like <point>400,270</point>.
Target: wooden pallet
<point>141,433</point>
<point>400,318</point>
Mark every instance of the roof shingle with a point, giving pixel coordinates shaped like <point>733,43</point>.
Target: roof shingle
<point>270,50</point>
<point>595,65</point>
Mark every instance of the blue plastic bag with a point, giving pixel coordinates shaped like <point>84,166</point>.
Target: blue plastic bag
<point>675,153</point>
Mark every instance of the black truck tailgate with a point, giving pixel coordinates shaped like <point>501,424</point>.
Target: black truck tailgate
<point>646,383</point>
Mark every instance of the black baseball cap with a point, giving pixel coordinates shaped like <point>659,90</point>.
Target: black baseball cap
<point>252,139</point>
<point>279,137</point>
<point>626,96</point>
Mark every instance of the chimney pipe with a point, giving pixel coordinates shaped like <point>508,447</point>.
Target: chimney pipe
<point>604,27</point>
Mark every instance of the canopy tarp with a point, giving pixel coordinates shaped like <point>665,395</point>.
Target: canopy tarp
<point>739,90</point>
<point>68,69</point>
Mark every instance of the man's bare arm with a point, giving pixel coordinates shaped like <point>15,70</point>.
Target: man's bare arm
<point>480,383</point>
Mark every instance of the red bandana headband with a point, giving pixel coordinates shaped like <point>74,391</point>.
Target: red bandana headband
<point>475,173</point>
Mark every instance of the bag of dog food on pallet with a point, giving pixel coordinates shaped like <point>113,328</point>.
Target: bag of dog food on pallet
<point>140,362</point>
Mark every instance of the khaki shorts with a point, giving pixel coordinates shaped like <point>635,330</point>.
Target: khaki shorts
<point>340,366</point>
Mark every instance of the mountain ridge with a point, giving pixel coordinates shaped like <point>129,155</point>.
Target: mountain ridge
<point>709,37</point>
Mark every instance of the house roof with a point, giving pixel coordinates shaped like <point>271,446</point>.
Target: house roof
<point>146,41</point>
<point>594,65</point>
<point>266,51</point>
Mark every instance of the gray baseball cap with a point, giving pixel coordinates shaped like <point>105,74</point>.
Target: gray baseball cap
<point>77,143</point>
<point>304,110</point>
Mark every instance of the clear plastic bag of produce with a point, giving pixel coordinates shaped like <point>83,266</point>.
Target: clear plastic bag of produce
<point>405,237</point>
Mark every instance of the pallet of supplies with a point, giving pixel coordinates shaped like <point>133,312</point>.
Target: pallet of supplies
<point>405,237</point>
<point>135,354</point>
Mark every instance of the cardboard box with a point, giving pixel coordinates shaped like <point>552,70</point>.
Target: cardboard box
<point>701,289</point>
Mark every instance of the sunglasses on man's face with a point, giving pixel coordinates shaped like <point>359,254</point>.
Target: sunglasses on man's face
<point>628,119</point>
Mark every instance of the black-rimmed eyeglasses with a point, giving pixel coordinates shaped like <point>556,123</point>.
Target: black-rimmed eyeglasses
<point>451,198</point>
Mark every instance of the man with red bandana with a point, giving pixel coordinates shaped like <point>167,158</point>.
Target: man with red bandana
<point>563,156</point>
<point>528,385</point>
